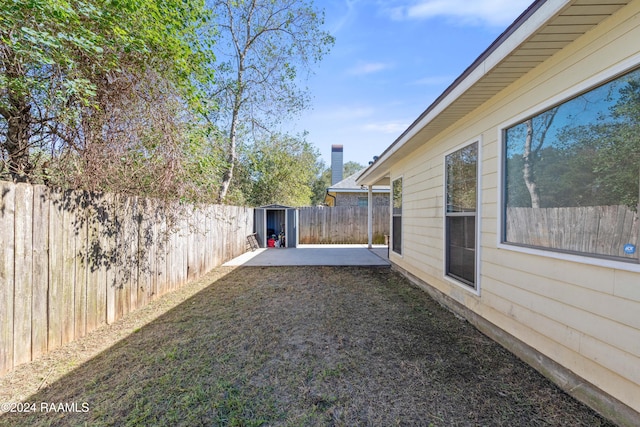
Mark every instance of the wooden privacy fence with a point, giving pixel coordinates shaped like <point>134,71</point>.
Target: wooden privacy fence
<point>603,230</point>
<point>73,261</point>
<point>341,224</point>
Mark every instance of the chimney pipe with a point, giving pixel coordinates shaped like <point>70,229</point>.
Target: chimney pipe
<point>337,165</point>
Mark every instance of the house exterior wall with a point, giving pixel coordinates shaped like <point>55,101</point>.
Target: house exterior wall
<point>580,312</point>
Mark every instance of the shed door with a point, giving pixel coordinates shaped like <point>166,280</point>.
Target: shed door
<point>292,228</point>
<point>259,225</point>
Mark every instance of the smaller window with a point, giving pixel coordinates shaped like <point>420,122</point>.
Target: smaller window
<point>363,201</point>
<point>460,218</point>
<point>396,232</point>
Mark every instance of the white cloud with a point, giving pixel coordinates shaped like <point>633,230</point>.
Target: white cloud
<point>368,68</point>
<point>464,12</point>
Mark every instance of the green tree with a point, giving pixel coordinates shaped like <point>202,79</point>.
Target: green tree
<point>74,74</point>
<point>263,46</point>
<point>278,170</point>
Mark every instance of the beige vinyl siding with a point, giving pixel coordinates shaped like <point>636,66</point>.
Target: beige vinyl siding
<point>579,312</point>
<point>626,285</point>
<point>568,343</point>
<point>580,309</point>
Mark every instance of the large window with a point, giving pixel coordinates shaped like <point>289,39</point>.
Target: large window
<point>396,232</point>
<point>572,172</point>
<point>460,215</point>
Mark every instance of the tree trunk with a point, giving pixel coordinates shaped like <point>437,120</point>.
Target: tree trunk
<point>226,178</point>
<point>238,94</point>
<point>231,157</point>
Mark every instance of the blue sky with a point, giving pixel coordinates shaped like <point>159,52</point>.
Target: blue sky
<point>391,60</point>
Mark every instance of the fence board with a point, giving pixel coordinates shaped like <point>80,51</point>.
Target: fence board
<point>39,311</point>
<point>215,225</point>
<point>192,246</point>
<point>23,293</point>
<point>134,254</point>
<point>181,254</point>
<point>163,240</point>
<point>144,275</point>
<point>80,293</point>
<point>56,277</point>
<point>172,249</point>
<point>7,248</point>
<point>92,263</point>
<point>203,241</point>
<point>109,241</point>
<point>155,251</point>
<point>68,267</point>
<point>100,252</point>
<point>124,266</point>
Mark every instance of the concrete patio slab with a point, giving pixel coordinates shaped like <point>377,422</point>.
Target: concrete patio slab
<point>305,255</point>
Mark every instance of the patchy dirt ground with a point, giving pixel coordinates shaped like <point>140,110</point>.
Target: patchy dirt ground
<point>289,346</point>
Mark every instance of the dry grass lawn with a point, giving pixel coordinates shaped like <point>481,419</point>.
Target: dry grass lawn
<point>290,346</point>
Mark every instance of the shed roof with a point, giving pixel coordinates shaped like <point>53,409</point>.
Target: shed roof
<point>275,207</point>
<point>545,28</point>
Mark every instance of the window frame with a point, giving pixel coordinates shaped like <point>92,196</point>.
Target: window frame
<point>586,85</point>
<point>477,214</point>
<point>393,216</point>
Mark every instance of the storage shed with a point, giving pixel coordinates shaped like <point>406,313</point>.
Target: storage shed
<point>276,223</point>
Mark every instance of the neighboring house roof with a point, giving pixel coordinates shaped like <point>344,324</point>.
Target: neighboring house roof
<point>545,28</point>
<point>349,185</point>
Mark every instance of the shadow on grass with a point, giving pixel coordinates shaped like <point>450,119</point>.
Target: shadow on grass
<point>306,346</point>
